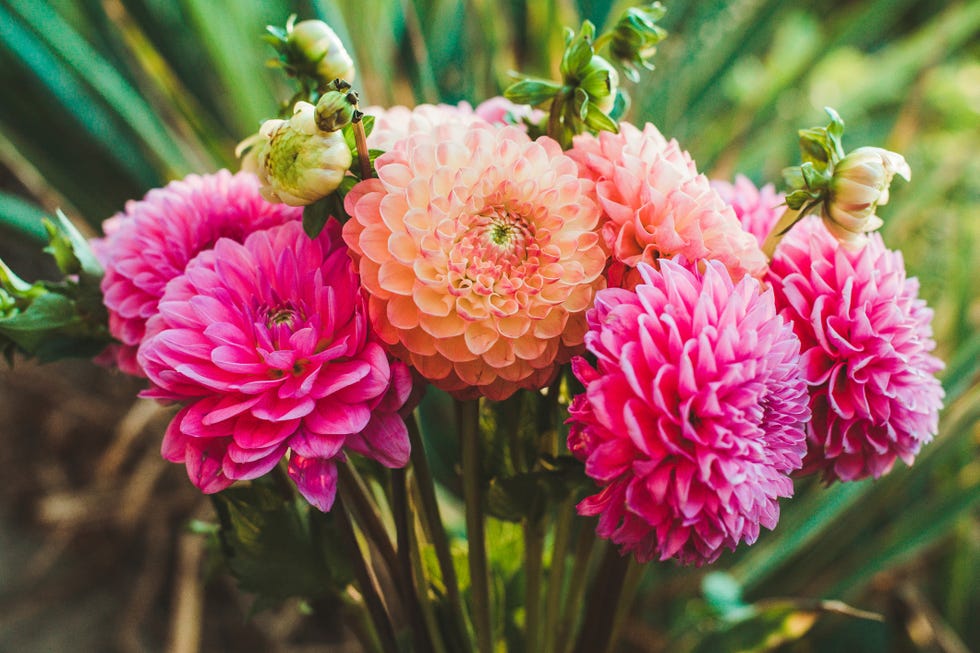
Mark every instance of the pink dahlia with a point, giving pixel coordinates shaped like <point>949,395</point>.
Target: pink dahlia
<point>500,111</point>
<point>692,418</point>
<point>395,123</point>
<point>477,249</point>
<point>267,345</point>
<point>150,242</point>
<point>866,343</point>
<point>656,205</point>
<point>757,209</point>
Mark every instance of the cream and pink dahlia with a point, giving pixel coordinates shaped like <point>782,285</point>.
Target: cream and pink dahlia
<point>757,209</point>
<point>655,205</point>
<point>395,123</point>
<point>151,242</point>
<point>478,250</point>
<point>866,343</point>
<point>692,418</point>
<point>266,344</point>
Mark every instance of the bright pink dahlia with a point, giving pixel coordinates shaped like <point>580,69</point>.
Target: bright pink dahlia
<point>656,205</point>
<point>268,346</point>
<point>866,338</point>
<point>395,123</point>
<point>692,419</point>
<point>149,244</point>
<point>757,209</point>
<point>478,251</point>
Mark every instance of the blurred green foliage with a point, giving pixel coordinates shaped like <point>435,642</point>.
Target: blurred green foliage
<point>104,99</point>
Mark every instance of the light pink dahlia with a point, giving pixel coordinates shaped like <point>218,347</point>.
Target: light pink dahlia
<point>692,418</point>
<point>757,209</point>
<point>267,345</point>
<point>866,338</point>
<point>395,123</point>
<point>478,251</point>
<point>656,205</point>
<point>150,242</point>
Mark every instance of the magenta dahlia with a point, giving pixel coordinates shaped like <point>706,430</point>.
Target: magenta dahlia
<point>866,342</point>
<point>692,418</point>
<point>757,209</point>
<point>150,242</point>
<point>267,345</point>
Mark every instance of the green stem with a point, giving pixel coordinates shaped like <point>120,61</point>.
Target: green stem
<point>789,218</point>
<point>556,574</point>
<point>576,586</point>
<point>432,520</point>
<point>533,570</point>
<point>469,417</point>
<point>365,581</point>
<point>422,590</point>
<point>631,585</point>
<point>355,495</point>
<point>603,601</point>
<point>408,587</point>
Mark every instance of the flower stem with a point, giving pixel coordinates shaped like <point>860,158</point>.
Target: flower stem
<point>533,571</point>
<point>355,495</point>
<point>363,154</point>
<point>576,586</point>
<point>603,600</point>
<point>408,587</point>
<point>631,585</point>
<point>789,218</point>
<point>365,581</point>
<point>469,432</point>
<point>432,520</point>
<point>556,574</point>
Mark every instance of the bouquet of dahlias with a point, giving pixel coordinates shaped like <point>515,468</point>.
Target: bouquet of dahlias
<point>531,311</point>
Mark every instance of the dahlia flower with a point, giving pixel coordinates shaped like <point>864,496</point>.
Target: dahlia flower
<point>656,205</point>
<point>478,251</point>
<point>866,343</point>
<point>501,112</point>
<point>266,343</point>
<point>395,123</point>
<point>150,242</point>
<point>692,418</point>
<point>757,209</point>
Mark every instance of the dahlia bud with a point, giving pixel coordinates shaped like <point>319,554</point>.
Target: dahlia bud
<point>314,44</point>
<point>335,109</point>
<point>297,162</point>
<point>601,81</point>
<point>859,185</point>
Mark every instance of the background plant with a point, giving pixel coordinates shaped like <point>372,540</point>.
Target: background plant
<point>104,100</point>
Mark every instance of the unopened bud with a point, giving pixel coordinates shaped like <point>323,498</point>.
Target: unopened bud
<point>335,109</point>
<point>314,44</point>
<point>635,37</point>
<point>601,81</point>
<point>297,162</point>
<point>859,185</point>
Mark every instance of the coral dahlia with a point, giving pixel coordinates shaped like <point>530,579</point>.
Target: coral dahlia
<point>656,205</point>
<point>866,343</point>
<point>757,209</point>
<point>478,251</point>
<point>150,242</point>
<point>692,418</point>
<point>267,344</point>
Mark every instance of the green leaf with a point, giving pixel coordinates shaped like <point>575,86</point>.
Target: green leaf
<point>599,121</point>
<point>71,249</point>
<point>278,548</point>
<point>315,215</point>
<point>22,218</point>
<point>510,498</point>
<point>531,91</point>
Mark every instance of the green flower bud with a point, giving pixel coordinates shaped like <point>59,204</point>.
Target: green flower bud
<point>601,82</point>
<point>859,185</point>
<point>317,51</point>
<point>635,37</point>
<point>297,162</point>
<point>335,109</point>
